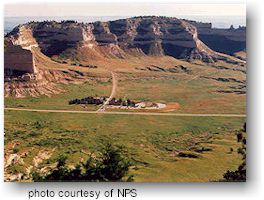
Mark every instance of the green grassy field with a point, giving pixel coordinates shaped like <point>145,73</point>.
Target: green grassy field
<point>195,96</point>
<point>152,142</point>
<point>61,101</point>
<point>193,92</point>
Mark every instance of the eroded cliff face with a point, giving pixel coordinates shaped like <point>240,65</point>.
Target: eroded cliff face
<point>18,57</point>
<point>139,36</point>
<point>228,41</point>
<point>31,45</point>
<point>54,38</point>
<point>160,36</point>
<point>24,75</point>
<point>45,82</point>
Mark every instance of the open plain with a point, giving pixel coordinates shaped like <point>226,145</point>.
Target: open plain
<point>177,117</point>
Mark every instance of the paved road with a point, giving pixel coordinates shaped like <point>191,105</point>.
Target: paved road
<point>130,113</point>
<point>114,85</point>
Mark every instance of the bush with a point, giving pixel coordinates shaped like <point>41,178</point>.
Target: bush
<point>15,150</point>
<point>187,154</point>
<point>201,149</point>
<point>110,165</point>
<point>239,175</point>
<point>39,124</point>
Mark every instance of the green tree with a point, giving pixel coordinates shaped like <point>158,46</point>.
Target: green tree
<point>239,175</point>
<point>111,164</point>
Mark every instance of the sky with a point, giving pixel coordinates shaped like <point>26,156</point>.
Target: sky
<point>220,15</point>
<point>123,9</point>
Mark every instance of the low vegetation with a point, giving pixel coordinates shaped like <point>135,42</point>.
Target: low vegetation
<point>111,164</point>
<point>153,144</point>
<point>186,154</point>
<point>159,146</point>
<point>239,175</point>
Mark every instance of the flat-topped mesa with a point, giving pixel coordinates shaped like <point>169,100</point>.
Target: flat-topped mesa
<point>138,36</point>
<point>161,36</point>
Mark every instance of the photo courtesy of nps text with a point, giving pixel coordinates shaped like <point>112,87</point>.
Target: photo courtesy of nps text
<point>85,194</point>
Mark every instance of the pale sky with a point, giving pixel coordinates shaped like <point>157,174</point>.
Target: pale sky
<point>123,9</point>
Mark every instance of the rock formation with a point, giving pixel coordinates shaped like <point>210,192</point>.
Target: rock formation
<point>21,60</point>
<point>228,41</point>
<point>31,45</point>
<point>122,38</point>
<point>17,59</point>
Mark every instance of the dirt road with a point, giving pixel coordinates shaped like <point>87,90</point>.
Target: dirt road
<point>130,113</point>
<point>101,110</point>
<point>114,85</point>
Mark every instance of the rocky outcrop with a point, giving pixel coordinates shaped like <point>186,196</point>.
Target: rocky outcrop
<point>42,83</point>
<point>228,41</point>
<point>138,36</point>
<point>24,66</point>
<point>53,38</point>
<point>18,56</point>
<point>17,59</point>
<point>161,36</point>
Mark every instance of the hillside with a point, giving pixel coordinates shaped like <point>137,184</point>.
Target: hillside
<point>171,91</point>
<point>49,47</point>
<point>137,36</point>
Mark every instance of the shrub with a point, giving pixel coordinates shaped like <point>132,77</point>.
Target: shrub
<point>187,154</point>
<point>239,175</point>
<point>201,149</point>
<point>39,124</point>
<point>110,165</point>
<point>15,150</point>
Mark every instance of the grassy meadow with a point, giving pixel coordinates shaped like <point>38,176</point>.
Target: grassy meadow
<point>61,101</point>
<point>193,92</point>
<point>153,142</point>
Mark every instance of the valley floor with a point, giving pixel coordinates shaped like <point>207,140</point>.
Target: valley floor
<point>210,101</point>
<point>153,142</point>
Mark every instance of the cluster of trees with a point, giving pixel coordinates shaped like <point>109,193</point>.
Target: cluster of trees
<point>81,65</point>
<point>122,102</point>
<point>239,175</point>
<point>100,100</point>
<point>112,164</point>
<point>88,100</point>
<point>68,21</point>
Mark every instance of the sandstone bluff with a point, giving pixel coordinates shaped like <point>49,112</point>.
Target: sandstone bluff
<point>30,45</point>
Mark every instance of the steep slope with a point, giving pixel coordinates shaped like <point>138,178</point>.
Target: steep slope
<point>33,46</point>
<point>25,73</point>
<point>138,36</point>
<point>228,41</point>
<point>18,56</point>
<point>160,36</point>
